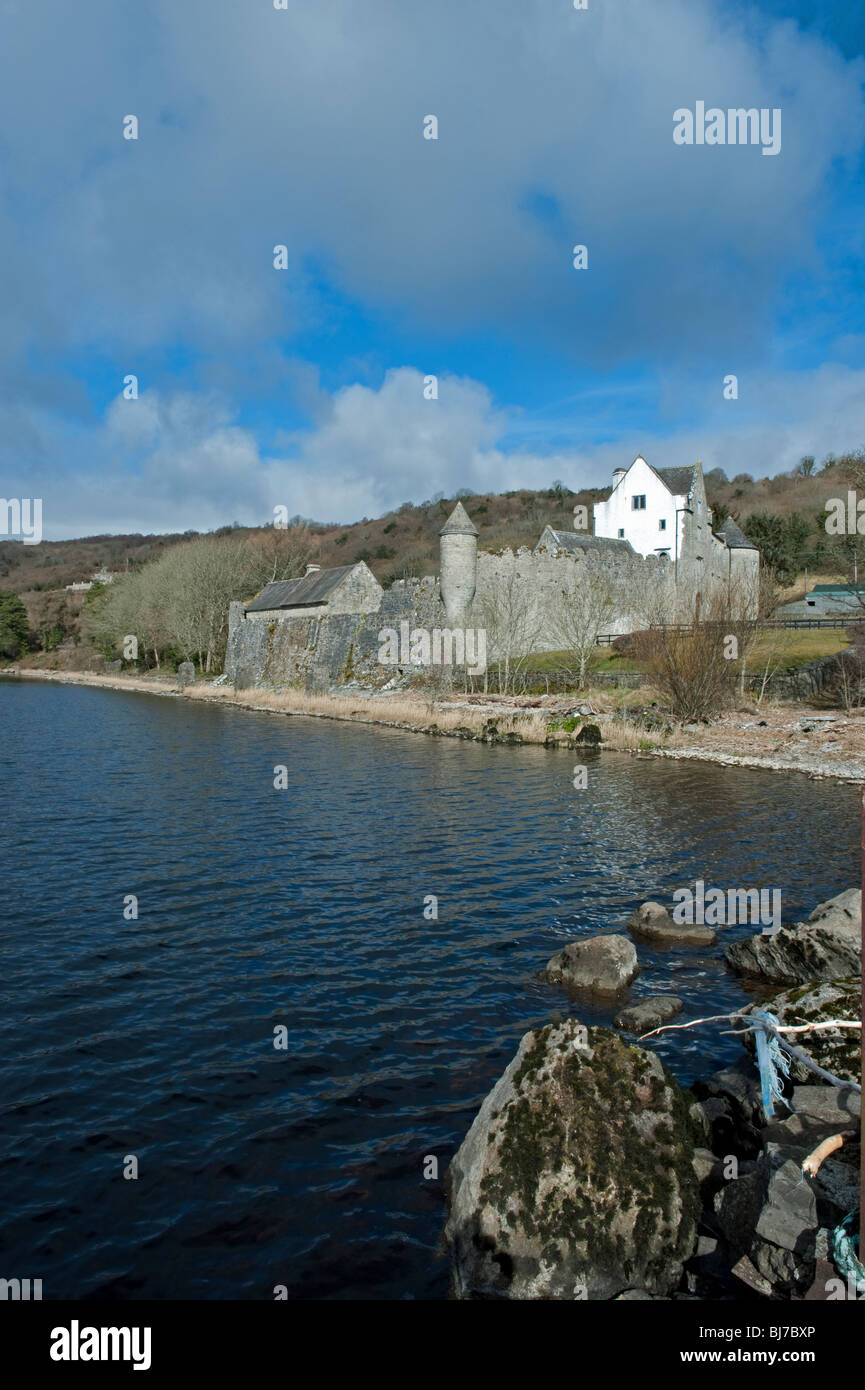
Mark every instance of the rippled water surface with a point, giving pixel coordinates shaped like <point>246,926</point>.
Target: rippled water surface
<point>304,908</point>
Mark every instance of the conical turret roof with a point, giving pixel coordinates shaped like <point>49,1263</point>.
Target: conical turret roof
<point>459,523</point>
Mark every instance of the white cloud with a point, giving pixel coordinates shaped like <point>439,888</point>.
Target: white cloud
<point>375,448</point>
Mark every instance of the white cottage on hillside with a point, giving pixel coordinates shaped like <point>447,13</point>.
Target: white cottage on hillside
<point>663,511</point>
<point>648,508</point>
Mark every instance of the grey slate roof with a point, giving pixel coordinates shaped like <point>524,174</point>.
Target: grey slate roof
<point>313,589</point>
<point>680,481</point>
<point>734,536</point>
<point>580,540</point>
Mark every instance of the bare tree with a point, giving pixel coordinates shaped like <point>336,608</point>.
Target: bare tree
<point>777,643</point>
<point>180,602</point>
<point>581,615</point>
<point>691,665</point>
<point>513,624</point>
<point>750,601</point>
<point>280,552</point>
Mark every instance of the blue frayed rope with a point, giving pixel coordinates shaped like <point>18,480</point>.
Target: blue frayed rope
<point>771,1061</point>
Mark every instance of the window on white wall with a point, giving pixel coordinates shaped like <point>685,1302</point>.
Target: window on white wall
<point>662,524</point>
<point>621,533</point>
<point>638,502</point>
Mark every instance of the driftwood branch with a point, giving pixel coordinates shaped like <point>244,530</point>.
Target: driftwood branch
<point>794,1027</point>
<point>695,1023</point>
<point>729,1018</point>
<point>811,1165</point>
<point>775,1031</point>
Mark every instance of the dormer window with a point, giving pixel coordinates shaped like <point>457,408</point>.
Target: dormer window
<point>638,502</point>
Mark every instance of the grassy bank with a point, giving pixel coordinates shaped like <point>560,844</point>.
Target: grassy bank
<point>772,738</point>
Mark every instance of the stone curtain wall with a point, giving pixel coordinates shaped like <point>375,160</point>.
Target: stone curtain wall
<point>516,600</point>
<point>541,582</point>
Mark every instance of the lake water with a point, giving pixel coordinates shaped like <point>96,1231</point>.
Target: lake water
<point>304,908</point>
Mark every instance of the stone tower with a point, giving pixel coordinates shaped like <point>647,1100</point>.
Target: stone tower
<point>458,565</point>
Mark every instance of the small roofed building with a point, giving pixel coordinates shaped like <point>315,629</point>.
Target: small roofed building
<point>319,594</point>
<point>743,557</point>
<point>576,543</point>
<point>845,602</point>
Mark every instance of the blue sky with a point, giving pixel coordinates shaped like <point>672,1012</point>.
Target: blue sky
<point>408,257</point>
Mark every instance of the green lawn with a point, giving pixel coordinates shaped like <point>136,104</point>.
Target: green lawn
<point>784,647</point>
<point>796,646</point>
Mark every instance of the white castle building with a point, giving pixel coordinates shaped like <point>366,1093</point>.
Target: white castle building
<point>664,512</point>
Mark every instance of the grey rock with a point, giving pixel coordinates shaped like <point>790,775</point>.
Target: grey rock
<point>707,1166</point>
<point>737,1207</point>
<point>770,1217</point>
<point>704,1113</point>
<point>648,1013</point>
<point>185,674</point>
<point>789,1207</point>
<point>744,1270</point>
<point>652,922</point>
<point>836,1107</point>
<point>737,1085</point>
<point>576,1177</point>
<point>731,1099</point>
<point>600,965</point>
<point>825,947</point>
<point>836,1189</point>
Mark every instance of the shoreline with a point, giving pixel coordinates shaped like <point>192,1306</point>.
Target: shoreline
<point>265,702</point>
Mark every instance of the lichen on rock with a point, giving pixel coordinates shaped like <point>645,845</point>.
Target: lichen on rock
<point>576,1179</point>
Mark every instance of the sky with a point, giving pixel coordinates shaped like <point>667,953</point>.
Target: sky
<point>405,258</point>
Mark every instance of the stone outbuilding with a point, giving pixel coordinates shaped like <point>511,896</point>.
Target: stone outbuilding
<point>320,593</point>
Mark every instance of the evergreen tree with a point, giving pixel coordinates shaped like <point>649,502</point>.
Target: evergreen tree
<point>13,625</point>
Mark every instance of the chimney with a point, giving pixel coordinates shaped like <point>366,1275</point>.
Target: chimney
<point>311,569</point>
<point>618,475</point>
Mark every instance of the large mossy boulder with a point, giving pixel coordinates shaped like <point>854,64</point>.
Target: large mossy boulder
<point>576,1179</point>
<point>828,946</point>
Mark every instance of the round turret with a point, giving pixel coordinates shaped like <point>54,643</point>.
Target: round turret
<point>458,564</point>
